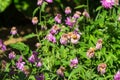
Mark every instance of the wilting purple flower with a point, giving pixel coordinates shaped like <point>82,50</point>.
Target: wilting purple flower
<point>117,76</point>
<point>39,2</point>
<point>20,64</point>
<point>40,77</point>
<point>102,68</point>
<point>54,30</point>
<point>77,14</point>
<point>13,31</point>
<point>107,3</point>
<point>51,38</point>
<point>90,53</point>
<point>4,63</point>
<point>73,63</point>
<point>99,44</point>
<point>67,10</point>
<point>64,39</point>
<point>58,18</point>
<point>26,71</point>
<point>49,1</point>
<point>12,55</point>
<point>70,21</point>
<point>33,57</point>
<point>34,20</point>
<point>39,64</point>
<point>60,71</point>
<point>2,46</point>
<point>86,14</point>
<point>75,38</point>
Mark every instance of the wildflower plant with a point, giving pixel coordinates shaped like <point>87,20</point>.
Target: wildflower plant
<point>74,45</point>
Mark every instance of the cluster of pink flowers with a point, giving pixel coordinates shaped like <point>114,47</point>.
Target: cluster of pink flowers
<point>72,37</point>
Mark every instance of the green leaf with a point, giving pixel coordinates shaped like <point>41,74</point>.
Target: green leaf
<point>30,36</point>
<point>35,11</point>
<point>98,8</point>
<point>80,6</point>
<point>43,6</point>
<point>19,46</point>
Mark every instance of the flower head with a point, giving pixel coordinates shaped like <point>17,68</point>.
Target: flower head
<point>99,44</point>
<point>2,46</point>
<point>55,29</point>
<point>91,52</point>
<point>20,64</point>
<point>39,64</point>
<point>51,38</point>
<point>86,14</point>
<point>38,45</point>
<point>39,2</point>
<point>12,55</point>
<point>70,21</point>
<point>13,31</point>
<point>75,37</point>
<point>64,39</point>
<point>49,1</point>
<point>107,3</point>
<point>40,77</point>
<point>33,57</point>
<point>102,68</point>
<point>67,10</point>
<point>60,71</point>
<point>117,76</point>
<point>73,63</point>
<point>58,18</point>
<point>77,14</point>
<point>34,20</point>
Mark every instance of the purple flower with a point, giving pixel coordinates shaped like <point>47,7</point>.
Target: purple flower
<point>64,39</point>
<point>58,18</point>
<point>49,1</point>
<point>40,77</point>
<point>77,14</point>
<point>39,64</point>
<point>70,21</point>
<point>73,63</point>
<point>90,53</point>
<point>33,57</point>
<point>34,20</point>
<point>20,64</point>
<point>12,55</point>
<point>107,3</point>
<point>67,10</point>
<point>86,14</point>
<point>117,76</point>
<point>39,2</point>
<point>99,44</point>
<point>51,38</point>
<point>102,68</point>
<point>13,31</point>
<point>54,30</point>
<point>2,46</point>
